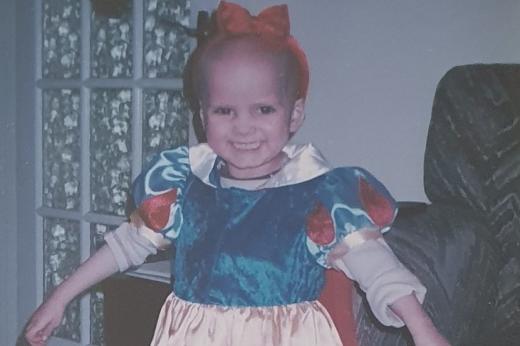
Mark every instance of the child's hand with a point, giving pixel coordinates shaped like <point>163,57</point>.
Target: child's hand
<point>49,315</point>
<point>43,322</point>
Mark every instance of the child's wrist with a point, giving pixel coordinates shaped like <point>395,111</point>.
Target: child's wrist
<point>58,300</point>
<point>60,297</point>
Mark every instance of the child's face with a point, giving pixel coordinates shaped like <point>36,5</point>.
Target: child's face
<point>248,118</point>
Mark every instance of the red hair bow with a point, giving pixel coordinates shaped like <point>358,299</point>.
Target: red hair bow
<point>272,24</point>
<point>234,19</point>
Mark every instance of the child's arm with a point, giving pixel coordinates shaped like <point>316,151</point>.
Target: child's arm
<point>418,323</point>
<point>127,246</point>
<point>48,316</point>
<point>393,292</point>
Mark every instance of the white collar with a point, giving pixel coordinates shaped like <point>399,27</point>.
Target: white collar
<point>305,163</point>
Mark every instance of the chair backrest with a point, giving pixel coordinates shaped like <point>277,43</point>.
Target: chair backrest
<point>473,148</point>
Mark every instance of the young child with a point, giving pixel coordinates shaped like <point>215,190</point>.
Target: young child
<point>255,220</point>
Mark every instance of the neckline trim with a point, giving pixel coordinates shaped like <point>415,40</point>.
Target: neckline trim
<point>304,163</point>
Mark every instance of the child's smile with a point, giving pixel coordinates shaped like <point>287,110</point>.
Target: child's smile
<point>246,146</point>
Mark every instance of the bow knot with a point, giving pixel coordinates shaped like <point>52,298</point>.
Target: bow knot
<point>234,19</point>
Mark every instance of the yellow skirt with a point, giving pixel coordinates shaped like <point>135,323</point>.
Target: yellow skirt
<point>182,323</point>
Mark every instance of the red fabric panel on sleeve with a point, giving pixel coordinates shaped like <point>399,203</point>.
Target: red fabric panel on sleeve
<point>320,228</point>
<point>155,211</point>
<point>376,205</point>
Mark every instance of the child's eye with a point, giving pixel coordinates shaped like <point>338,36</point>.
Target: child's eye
<point>266,109</point>
<point>222,111</point>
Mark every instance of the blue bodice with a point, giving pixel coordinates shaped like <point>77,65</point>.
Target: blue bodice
<point>239,247</point>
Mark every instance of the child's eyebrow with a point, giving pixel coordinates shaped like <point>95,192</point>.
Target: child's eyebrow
<point>219,105</point>
<point>265,103</point>
<point>275,101</point>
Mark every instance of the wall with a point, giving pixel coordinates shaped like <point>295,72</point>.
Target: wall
<point>8,224</point>
<point>374,68</point>
<point>25,159</point>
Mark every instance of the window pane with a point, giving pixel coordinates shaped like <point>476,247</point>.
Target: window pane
<point>96,316</point>
<point>61,39</point>
<point>110,149</point>
<point>61,255</point>
<point>166,47</point>
<point>165,122</point>
<point>61,148</point>
<point>97,231</point>
<point>111,44</point>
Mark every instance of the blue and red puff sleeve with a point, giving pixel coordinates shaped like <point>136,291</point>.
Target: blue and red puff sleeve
<point>158,191</point>
<point>349,199</point>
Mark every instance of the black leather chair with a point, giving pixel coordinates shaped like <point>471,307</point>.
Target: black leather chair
<point>465,244</point>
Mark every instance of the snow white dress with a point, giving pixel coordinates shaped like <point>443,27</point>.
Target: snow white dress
<point>250,255</point>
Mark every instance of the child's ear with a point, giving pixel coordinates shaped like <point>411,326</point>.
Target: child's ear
<point>297,115</point>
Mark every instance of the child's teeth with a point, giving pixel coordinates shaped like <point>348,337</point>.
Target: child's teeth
<point>247,146</point>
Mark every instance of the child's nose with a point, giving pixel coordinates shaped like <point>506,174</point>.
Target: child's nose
<point>244,124</point>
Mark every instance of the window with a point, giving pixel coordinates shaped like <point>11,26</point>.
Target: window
<point>108,96</point>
